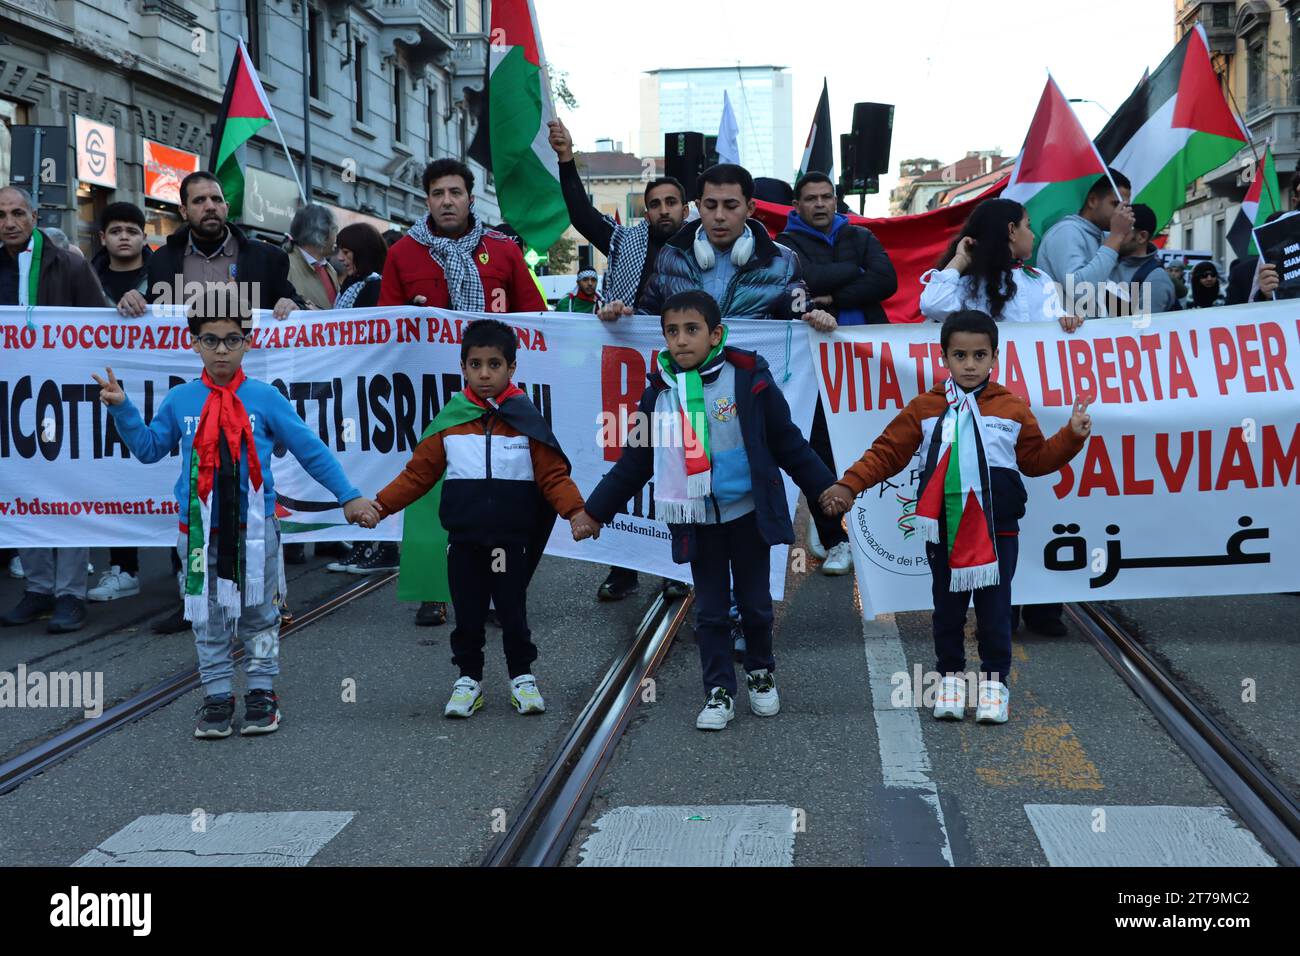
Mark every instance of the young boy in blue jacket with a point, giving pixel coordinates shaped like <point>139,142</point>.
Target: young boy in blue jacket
<point>714,431</point>
<point>226,425</point>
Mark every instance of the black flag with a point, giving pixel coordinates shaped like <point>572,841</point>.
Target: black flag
<point>818,155</point>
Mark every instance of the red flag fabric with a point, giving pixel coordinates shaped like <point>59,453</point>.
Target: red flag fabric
<point>914,243</point>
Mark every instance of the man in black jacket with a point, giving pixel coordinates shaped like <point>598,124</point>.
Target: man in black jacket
<point>210,257</point>
<point>848,273</point>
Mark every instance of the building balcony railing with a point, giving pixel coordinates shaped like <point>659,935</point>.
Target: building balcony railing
<point>432,17</point>
<point>469,55</point>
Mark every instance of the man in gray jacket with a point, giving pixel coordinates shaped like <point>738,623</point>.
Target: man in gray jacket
<point>1080,252</point>
<point>1140,266</point>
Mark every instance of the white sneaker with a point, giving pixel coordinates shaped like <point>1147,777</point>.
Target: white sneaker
<point>16,567</point>
<point>814,541</point>
<point>524,695</point>
<point>718,711</point>
<point>90,568</point>
<point>466,697</point>
<point>115,584</point>
<point>839,560</point>
<point>994,698</point>
<point>763,699</point>
<point>951,702</point>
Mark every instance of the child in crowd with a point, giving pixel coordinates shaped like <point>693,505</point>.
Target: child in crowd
<point>502,477</point>
<point>226,425</point>
<point>717,433</point>
<point>975,439</point>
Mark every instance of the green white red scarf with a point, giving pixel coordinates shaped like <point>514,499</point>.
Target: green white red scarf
<point>29,269</point>
<point>224,433</point>
<point>684,462</point>
<point>958,489</point>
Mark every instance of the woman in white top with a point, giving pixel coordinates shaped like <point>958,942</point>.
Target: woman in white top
<point>984,270</point>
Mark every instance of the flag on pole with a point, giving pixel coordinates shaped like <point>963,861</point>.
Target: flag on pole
<point>1261,202</point>
<point>818,153</point>
<point>1173,128</point>
<point>244,110</point>
<point>1057,164</point>
<point>513,138</point>
<point>728,134</point>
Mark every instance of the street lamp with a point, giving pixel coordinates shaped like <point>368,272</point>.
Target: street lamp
<point>1079,99</point>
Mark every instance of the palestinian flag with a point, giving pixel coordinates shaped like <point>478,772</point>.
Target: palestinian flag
<point>1261,202</point>
<point>818,154</point>
<point>244,110</point>
<point>956,503</point>
<point>1057,164</point>
<point>513,139</point>
<point>1173,128</point>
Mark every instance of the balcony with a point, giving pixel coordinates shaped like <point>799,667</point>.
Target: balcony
<point>469,59</point>
<point>1218,18</point>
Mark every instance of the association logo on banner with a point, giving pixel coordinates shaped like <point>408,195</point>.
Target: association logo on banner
<point>886,532</point>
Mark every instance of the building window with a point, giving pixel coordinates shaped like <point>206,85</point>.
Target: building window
<point>1219,15</point>
<point>399,103</point>
<point>1220,244</point>
<point>359,80</point>
<point>432,118</point>
<point>253,11</point>
<point>314,53</point>
<point>1255,75</point>
<point>1189,236</point>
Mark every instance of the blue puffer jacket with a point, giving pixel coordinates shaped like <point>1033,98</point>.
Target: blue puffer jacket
<point>768,286</point>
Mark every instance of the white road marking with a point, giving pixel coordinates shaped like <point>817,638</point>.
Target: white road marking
<point>904,759</point>
<point>1091,835</point>
<point>756,835</point>
<point>230,839</point>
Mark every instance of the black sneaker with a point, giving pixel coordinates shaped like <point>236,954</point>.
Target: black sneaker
<point>1044,619</point>
<point>173,623</point>
<point>295,554</point>
<point>431,614</point>
<point>346,562</point>
<point>675,589</point>
<point>261,713</point>
<point>376,558</point>
<point>214,715</point>
<point>31,607</point>
<point>619,584</point>
<point>69,615</point>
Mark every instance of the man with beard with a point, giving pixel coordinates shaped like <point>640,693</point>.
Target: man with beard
<point>631,252</point>
<point>210,254</point>
<point>583,298</point>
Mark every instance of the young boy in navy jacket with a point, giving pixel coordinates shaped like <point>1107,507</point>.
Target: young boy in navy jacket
<point>227,425</point>
<point>717,432</point>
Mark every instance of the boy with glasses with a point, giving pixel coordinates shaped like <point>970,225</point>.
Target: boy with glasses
<point>226,425</point>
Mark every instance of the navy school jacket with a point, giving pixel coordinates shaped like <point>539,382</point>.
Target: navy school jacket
<point>772,443</point>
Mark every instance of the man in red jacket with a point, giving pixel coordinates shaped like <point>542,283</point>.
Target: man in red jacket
<point>450,261</point>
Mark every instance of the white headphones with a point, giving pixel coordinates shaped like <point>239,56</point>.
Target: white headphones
<point>741,249</point>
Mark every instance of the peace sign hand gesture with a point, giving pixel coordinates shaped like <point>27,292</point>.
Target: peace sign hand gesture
<point>1081,421</point>
<point>110,392</point>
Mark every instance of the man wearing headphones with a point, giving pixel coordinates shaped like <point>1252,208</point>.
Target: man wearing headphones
<point>731,256</point>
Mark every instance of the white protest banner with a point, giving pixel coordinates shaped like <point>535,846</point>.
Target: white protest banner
<point>1187,485</point>
<point>367,380</point>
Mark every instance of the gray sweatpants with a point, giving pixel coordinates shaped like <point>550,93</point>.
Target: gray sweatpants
<point>56,571</point>
<point>257,626</point>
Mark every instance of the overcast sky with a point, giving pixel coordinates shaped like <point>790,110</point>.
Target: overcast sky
<point>962,74</point>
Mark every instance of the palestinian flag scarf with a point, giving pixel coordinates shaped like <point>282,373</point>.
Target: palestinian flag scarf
<point>684,462</point>
<point>29,269</point>
<point>958,490</point>
<point>224,433</point>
